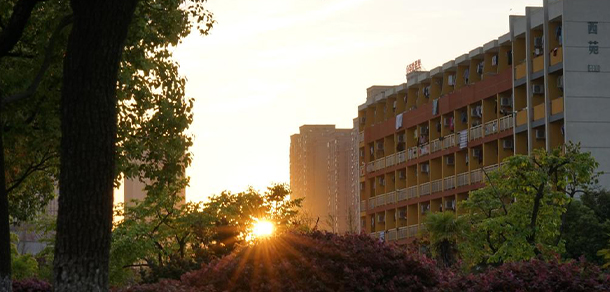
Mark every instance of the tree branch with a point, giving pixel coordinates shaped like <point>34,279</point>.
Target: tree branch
<point>67,20</point>
<point>31,169</point>
<point>14,29</point>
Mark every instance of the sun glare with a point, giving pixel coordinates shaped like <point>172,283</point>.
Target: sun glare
<point>262,228</point>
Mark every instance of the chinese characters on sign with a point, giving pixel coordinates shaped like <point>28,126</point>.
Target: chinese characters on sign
<point>414,66</point>
<point>593,46</point>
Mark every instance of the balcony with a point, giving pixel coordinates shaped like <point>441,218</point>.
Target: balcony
<point>390,235</point>
<point>435,146</point>
<point>401,195</point>
<point>424,150</point>
<point>520,71</point>
<point>380,200</point>
<point>476,132</point>
<point>449,182</point>
<point>538,63</point>
<point>557,106</point>
<point>506,122</point>
<point>522,117</point>
<point>371,203</point>
<point>436,186</point>
<point>490,169</point>
<point>556,56</point>
<point>424,189</point>
<point>412,230</point>
<point>412,153</point>
<point>449,141</point>
<point>390,198</point>
<point>370,167</point>
<point>539,112</point>
<point>476,176</point>
<point>462,179</point>
<point>379,164</point>
<point>412,192</point>
<point>390,160</point>
<point>401,157</point>
<point>363,206</point>
<point>402,232</point>
<point>491,127</point>
<point>361,137</point>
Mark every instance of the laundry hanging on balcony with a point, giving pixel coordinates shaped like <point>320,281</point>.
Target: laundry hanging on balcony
<point>435,107</point>
<point>463,139</point>
<point>399,121</point>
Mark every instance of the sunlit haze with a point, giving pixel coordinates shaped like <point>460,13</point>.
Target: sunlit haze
<point>271,66</point>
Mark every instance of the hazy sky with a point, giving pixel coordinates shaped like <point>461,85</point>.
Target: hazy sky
<point>271,66</point>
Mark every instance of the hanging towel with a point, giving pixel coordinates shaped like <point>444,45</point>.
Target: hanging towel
<point>399,121</point>
<point>451,125</point>
<point>435,107</point>
<point>463,139</point>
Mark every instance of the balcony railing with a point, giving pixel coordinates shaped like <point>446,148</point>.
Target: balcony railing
<point>401,157</point>
<point>435,146</point>
<point>462,179</point>
<point>390,235</point>
<point>503,164</point>
<point>449,182</point>
<point>449,141</point>
<point>371,203</point>
<point>411,231</point>
<point>370,167</point>
<point>362,205</point>
<point>476,132</point>
<point>402,232</point>
<point>380,200</point>
<point>361,137</point>
<point>491,127</point>
<point>476,176</point>
<point>505,122</point>
<point>436,186</point>
<point>379,164</point>
<point>491,168</point>
<point>390,160</point>
<point>424,189</point>
<point>401,195</point>
<point>390,198</point>
<point>424,150</point>
<point>412,153</point>
<point>412,192</point>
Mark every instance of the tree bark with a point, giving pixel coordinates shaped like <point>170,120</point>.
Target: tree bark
<point>88,126</point>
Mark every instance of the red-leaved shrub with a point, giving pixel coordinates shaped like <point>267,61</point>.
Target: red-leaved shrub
<point>533,275</point>
<point>31,285</point>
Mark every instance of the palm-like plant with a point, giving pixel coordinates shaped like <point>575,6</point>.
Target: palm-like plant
<point>445,230</point>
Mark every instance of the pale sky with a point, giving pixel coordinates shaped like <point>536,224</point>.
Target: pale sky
<point>270,66</point>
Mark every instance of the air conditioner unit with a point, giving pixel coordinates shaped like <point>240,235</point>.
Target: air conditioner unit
<point>537,89</point>
<point>425,168</point>
<point>446,121</point>
<point>540,134</point>
<point>560,81</point>
<point>451,80</point>
<point>450,205</point>
<point>473,112</point>
<point>402,214</point>
<point>538,42</point>
<point>507,144</point>
<point>476,152</point>
<point>505,101</point>
<point>450,160</point>
<point>380,218</point>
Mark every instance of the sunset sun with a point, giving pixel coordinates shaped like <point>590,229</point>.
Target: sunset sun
<point>262,228</point>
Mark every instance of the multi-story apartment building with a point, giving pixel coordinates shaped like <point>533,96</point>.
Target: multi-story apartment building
<point>319,173</point>
<point>133,189</point>
<point>426,143</point>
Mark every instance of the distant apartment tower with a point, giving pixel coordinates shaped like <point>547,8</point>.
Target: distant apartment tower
<point>319,173</point>
<point>133,189</point>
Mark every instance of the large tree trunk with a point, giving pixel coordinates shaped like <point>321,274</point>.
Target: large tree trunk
<point>5,231</point>
<point>88,126</point>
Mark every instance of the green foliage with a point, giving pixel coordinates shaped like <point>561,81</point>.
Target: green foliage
<point>166,237</point>
<point>23,266</point>
<point>445,231</point>
<point>520,212</point>
<point>587,231</point>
